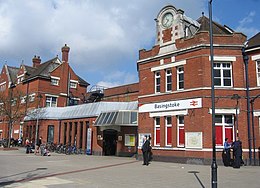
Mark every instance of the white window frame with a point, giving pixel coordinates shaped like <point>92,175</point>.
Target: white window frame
<point>166,129</point>
<point>224,125</point>
<point>32,97</point>
<point>221,68</point>
<point>3,86</point>
<point>157,75</point>
<point>76,99</point>
<point>73,84</point>
<point>258,72</point>
<point>186,32</point>
<point>55,81</point>
<point>20,78</point>
<point>155,128</point>
<point>50,101</point>
<point>178,75</point>
<point>178,132</point>
<point>23,99</point>
<point>166,80</point>
<point>18,81</point>
<point>13,101</point>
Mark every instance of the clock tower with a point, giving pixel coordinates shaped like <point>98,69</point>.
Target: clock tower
<point>172,24</point>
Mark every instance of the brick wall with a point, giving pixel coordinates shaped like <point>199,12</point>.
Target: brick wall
<point>123,93</point>
<point>197,84</point>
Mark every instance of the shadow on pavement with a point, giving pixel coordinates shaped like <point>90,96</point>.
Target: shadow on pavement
<point>6,183</point>
<point>195,174</point>
<point>29,176</point>
<point>23,173</point>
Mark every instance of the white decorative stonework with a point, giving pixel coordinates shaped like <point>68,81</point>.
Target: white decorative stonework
<point>174,21</point>
<point>169,65</point>
<point>256,57</point>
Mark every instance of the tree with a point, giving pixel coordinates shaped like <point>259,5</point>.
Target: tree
<point>12,108</point>
<point>36,114</point>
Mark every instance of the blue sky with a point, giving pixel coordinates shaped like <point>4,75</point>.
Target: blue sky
<point>104,36</point>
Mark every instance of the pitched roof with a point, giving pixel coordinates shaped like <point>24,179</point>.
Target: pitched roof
<point>82,82</point>
<point>216,27</point>
<point>13,71</point>
<point>254,41</point>
<point>29,70</point>
<point>44,69</point>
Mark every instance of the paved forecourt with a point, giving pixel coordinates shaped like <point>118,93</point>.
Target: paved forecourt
<point>18,169</point>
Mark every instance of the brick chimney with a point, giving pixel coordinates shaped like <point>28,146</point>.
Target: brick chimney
<point>36,61</point>
<point>65,53</point>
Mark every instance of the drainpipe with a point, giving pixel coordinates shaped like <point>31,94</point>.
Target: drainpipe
<point>245,58</point>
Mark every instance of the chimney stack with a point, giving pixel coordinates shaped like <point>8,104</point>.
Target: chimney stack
<point>36,61</point>
<point>65,53</point>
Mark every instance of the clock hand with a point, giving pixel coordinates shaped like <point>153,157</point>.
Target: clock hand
<point>166,20</point>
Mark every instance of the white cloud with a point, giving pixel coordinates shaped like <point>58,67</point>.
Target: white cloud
<point>108,84</point>
<point>244,25</point>
<point>104,36</point>
<point>248,18</point>
<point>117,78</point>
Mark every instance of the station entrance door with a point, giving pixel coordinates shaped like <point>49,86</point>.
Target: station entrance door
<point>109,142</point>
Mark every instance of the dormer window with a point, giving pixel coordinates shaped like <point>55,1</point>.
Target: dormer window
<point>73,84</point>
<point>20,79</point>
<point>55,81</point>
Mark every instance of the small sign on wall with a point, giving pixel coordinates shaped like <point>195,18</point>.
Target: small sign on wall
<point>129,140</point>
<point>193,140</point>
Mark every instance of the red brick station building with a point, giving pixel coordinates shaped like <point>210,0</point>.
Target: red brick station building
<point>171,102</point>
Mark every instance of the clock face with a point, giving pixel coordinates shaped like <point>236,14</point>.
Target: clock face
<point>167,20</point>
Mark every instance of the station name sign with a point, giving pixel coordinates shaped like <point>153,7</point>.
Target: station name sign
<point>171,105</point>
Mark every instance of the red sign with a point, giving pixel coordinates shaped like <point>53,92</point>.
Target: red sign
<point>194,103</point>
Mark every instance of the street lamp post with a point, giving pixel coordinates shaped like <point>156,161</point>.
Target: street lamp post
<point>37,120</point>
<point>10,123</point>
<point>236,97</point>
<point>253,123</point>
<point>214,166</point>
<point>245,58</point>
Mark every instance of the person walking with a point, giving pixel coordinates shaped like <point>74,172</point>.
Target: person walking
<point>27,145</point>
<point>145,149</point>
<point>38,145</point>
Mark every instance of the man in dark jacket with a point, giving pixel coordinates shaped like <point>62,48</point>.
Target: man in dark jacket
<point>237,153</point>
<point>145,149</point>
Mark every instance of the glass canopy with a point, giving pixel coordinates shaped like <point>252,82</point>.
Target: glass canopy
<point>122,118</point>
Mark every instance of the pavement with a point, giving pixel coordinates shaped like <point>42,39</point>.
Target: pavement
<point>21,170</point>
